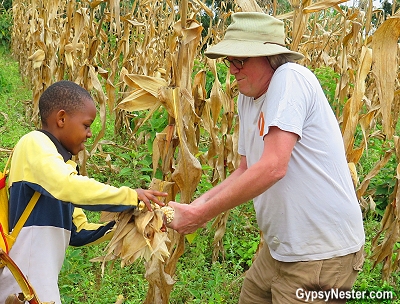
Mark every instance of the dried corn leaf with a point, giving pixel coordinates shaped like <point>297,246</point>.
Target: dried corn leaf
<point>164,146</point>
<point>375,170</point>
<point>321,5</point>
<point>149,84</point>
<point>365,123</point>
<point>187,174</point>
<point>37,58</point>
<point>216,93</point>
<point>188,171</point>
<point>137,235</point>
<point>160,283</point>
<point>385,249</point>
<point>353,173</point>
<point>146,94</point>
<point>164,186</point>
<point>353,105</point>
<point>386,63</point>
<point>300,20</point>
<point>167,100</point>
<point>139,100</point>
<point>219,224</point>
<point>249,6</point>
<point>355,154</point>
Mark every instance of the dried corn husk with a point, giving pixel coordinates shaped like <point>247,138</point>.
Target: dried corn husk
<point>137,235</point>
<point>14,299</point>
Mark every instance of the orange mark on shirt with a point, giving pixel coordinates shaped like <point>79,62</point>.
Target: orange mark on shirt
<point>261,123</point>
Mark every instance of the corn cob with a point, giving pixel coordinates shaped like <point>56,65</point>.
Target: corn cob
<point>168,211</point>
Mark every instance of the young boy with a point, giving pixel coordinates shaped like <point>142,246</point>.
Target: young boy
<point>39,163</point>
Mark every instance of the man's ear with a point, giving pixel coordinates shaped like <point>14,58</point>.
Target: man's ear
<point>60,117</point>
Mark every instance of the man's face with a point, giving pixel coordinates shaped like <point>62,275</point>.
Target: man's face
<point>76,128</point>
<point>254,77</point>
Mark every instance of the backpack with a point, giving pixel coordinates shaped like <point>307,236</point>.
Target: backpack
<point>7,239</point>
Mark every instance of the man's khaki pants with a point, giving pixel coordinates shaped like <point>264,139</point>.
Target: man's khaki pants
<point>323,281</point>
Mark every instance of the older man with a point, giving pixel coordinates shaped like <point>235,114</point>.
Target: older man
<point>293,166</point>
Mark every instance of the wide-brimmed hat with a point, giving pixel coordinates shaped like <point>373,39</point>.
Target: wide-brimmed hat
<point>252,34</point>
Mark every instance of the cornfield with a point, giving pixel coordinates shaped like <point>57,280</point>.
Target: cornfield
<point>140,56</point>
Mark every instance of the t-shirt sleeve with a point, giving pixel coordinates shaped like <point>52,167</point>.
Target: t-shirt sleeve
<point>287,102</point>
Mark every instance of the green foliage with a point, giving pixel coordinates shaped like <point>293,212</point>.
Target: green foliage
<point>81,281</point>
<point>155,124</point>
<point>148,130</point>
<point>200,280</point>
<point>382,185</point>
<point>14,111</point>
<point>243,242</point>
<point>387,6</point>
<point>6,79</point>
<point>6,22</point>
<point>328,79</point>
<point>5,87</point>
<point>7,4</point>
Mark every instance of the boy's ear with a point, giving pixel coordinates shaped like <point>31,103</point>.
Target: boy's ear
<point>60,118</point>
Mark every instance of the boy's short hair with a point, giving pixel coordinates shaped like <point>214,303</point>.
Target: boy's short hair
<point>62,95</point>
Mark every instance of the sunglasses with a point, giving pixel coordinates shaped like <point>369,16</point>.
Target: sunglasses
<point>236,62</point>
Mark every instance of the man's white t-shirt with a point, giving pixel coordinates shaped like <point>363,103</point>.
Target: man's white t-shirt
<point>312,213</point>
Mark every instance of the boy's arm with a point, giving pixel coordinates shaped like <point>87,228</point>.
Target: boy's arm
<point>86,233</point>
<point>36,161</point>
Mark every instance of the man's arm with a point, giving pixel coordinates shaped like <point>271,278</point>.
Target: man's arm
<point>230,179</point>
<point>241,186</point>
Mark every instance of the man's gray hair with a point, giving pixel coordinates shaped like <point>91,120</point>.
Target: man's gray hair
<point>277,60</point>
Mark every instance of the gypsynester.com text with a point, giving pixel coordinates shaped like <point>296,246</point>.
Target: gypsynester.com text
<point>336,294</point>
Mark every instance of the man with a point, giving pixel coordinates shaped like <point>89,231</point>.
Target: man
<point>293,166</point>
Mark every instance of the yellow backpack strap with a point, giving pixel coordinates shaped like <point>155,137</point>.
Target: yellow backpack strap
<point>25,215</point>
<point>7,163</point>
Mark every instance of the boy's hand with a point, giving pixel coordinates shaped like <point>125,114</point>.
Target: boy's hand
<point>150,195</point>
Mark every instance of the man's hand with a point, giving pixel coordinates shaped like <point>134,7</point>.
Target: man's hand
<point>187,218</point>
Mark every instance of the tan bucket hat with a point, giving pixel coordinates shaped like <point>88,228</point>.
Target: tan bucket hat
<point>252,34</point>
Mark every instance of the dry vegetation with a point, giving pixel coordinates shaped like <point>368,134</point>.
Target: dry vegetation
<point>139,55</point>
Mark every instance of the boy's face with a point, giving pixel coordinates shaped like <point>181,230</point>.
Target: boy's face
<point>76,127</point>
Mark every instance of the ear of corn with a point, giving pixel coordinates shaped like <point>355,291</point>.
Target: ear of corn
<point>169,213</point>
